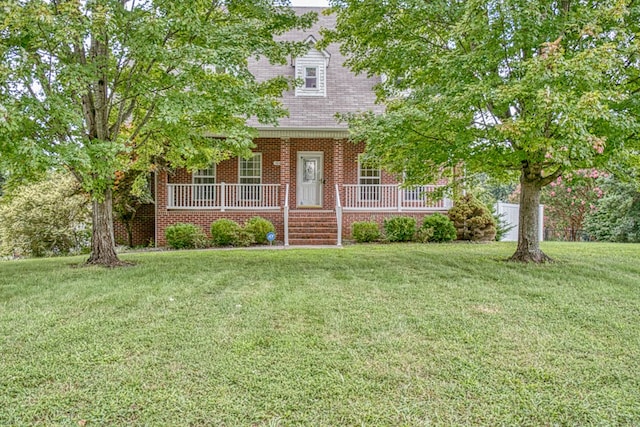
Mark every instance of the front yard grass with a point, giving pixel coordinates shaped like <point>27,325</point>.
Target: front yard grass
<point>367,335</point>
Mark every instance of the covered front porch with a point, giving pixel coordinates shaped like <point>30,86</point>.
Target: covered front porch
<point>285,180</point>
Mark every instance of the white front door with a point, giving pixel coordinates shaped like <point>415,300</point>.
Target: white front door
<point>310,178</point>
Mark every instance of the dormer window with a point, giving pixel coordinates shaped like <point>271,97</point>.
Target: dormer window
<point>311,69</point>
<point>310,78</point>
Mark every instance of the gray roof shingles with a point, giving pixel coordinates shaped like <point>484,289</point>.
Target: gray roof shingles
<point>346,92</point>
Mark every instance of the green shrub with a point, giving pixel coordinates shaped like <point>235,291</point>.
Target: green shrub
<point>48,217</point>
<point>439,226</point>
<point>224,232</point>
<point>473,220</point>
<point>424,235</point>
<point>400,229</point>
<point>365,231</point>
<point>244,238</point>
<point>185,236</point>
<point>258,227</point>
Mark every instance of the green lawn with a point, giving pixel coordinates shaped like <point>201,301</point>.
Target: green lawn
<point>367,335</point>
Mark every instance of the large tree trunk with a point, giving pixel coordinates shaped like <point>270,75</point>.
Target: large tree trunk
<point>103,248</point>
<point>528,228</point>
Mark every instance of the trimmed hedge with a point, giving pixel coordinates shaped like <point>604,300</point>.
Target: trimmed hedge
<point>365,231</point>
<point>258,227</point>
<point>224,232</point>
<point>185,236</point>
<point>400,228</point>
<point>438,227</point>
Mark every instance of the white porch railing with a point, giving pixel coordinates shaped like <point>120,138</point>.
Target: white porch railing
<point>223,196</point>
<point>393,197</point>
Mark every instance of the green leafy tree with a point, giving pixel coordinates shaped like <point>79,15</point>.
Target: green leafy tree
<point>520,87</point>
<point>569,200</point>
<point>616,217</point>
<point>44,217</point>
<point>92,86</point>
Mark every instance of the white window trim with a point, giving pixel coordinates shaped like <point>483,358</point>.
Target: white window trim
<point>316,77</point>
<point>368,193</point>
<point>200,193</point>
<point>249,193</point>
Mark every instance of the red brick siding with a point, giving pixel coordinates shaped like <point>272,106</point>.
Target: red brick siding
<point>340,166</point>
<point>351,152</point>
<point>142,228</point>
<point>227,171</point>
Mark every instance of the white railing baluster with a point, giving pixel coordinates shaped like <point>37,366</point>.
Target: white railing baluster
<point>391,197</point>
<point>223,196</point>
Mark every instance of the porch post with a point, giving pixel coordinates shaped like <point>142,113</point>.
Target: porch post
<point>338,180</point>
<point>161,219</point>
<point>285,167</point>
<point>338,164</point>
<point>285,180</point>
<point>223,193</point>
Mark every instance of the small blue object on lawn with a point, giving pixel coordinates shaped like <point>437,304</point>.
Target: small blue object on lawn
<point>271,236</point>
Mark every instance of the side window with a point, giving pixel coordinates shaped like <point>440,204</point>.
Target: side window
<point>368,180</point>
<point>250,172</point>
<point>202,180</point>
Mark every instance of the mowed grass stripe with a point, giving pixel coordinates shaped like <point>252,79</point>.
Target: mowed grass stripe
<point>366,335</point>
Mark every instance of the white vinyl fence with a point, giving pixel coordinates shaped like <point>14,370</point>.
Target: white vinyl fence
<point>510,214</point>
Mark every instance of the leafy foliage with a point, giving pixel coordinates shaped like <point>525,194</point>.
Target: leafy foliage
<point>130,193</point>
<point>225,232</point>
<point>472,220</point>
<point>506,87</point>
<point>616,217</point>
<point>102,86</point>
<point>244,238</point>
<point>440,228</point>
<point>569,200</point>
<point>185,236</point>
<point>51,216</point>
<point>365,231</point>
<point>258,227</point>
<point>399,228</point>
<point>424,235</point>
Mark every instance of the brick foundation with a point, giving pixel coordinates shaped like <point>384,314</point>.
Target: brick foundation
<point>143,228</point>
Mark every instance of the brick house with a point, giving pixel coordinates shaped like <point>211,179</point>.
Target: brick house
<point>305,176</point>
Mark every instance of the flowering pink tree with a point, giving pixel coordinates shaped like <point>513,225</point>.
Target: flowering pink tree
<point>569,199</point>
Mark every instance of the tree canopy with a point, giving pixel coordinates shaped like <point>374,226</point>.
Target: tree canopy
<point>102,86</point>
<point>499,86</point>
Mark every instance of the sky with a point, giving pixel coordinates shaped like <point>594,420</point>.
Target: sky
<point>309,3</point>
